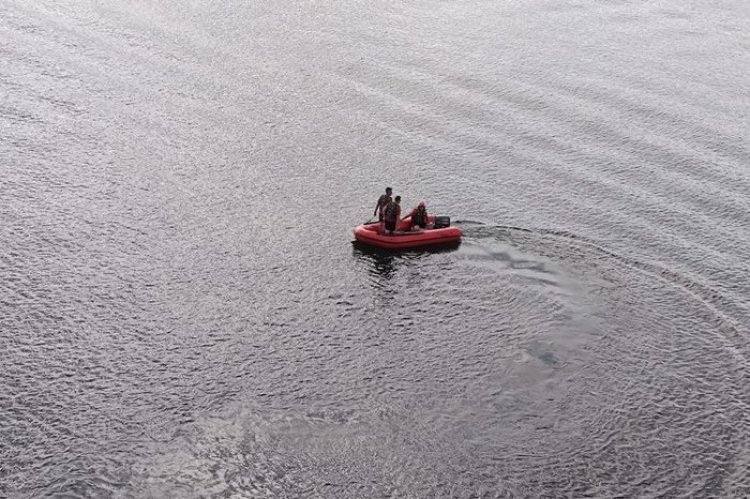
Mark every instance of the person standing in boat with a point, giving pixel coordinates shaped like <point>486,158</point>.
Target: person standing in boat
<point>383,201</point>
<point>391,215</point>
<point>418,216</point>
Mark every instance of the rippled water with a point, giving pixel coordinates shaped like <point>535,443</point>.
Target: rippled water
<point>182,312</point>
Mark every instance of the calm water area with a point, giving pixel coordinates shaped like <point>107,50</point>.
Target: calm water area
<point>183,312</point>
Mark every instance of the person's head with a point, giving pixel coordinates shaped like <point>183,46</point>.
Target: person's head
<point>397,199</point>
<point>421,205</point>
<point>388,190</point>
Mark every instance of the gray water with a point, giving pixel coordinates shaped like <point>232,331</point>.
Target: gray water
<point>182,312</point>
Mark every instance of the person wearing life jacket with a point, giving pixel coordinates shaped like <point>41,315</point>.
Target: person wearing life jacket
<point>383,201</point>
<point>418,216</point>
<point>391,215</point>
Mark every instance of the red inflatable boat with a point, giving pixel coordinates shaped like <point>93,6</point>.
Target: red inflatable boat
<point>372,234</point>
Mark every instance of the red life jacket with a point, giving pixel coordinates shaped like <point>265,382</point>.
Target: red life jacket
<point>392,211</point>
<point>419,216</point>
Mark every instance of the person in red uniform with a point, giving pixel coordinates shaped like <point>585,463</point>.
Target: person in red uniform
<point>383,201</point>
<point>418,216</point>
<point>391,214</point>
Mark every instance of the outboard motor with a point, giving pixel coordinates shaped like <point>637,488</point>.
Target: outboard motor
<point>442,221</point>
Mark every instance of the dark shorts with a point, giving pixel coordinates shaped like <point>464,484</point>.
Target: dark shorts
<point>420,224</point>
<point>390,226</point>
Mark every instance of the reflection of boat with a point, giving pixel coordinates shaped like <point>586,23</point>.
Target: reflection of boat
<point>442,234</point>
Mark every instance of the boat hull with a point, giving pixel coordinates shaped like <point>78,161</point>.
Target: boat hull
<point>372,235</point>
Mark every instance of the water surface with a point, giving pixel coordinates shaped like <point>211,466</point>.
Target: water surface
<point>182,312</point>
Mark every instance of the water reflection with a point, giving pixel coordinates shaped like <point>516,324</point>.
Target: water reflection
<point>383,261</point>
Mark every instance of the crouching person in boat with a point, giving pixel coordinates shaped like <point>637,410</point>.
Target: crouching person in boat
<point>418,217</point>
<point>391,215</point>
